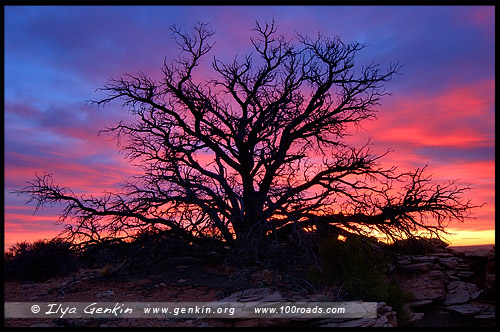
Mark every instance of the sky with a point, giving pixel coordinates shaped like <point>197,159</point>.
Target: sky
<point>440,113</point>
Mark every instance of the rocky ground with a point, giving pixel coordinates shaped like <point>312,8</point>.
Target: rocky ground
<point>181,283</point>
<point>186,280</point>
<point>450,289</point>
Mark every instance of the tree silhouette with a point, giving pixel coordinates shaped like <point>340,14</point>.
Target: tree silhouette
<point>259,151</point>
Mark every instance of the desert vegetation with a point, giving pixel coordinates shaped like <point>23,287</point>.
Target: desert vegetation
<point>352,268</point>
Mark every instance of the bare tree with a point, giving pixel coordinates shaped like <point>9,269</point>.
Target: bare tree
<point>257,151</point>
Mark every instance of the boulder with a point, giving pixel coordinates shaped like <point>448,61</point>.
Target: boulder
<point>465,275</point>
<point>457,297</point>
<point>415,316</point>
<point>461,292</point>
<point>449,262</point>
<point>454,285</point>
<point>472,288</point>
<point>465,309</point>
<point>487,312</point>
<point>450,280</point>
<point>424,286</point>
<point>386,317</point>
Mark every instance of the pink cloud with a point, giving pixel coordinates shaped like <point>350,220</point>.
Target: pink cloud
<point>18,227</point>
<point>460,117</point>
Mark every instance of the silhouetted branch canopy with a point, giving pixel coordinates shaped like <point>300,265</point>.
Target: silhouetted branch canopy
<point>261,146</point>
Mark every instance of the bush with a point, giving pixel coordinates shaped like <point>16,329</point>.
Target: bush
<point>39,261</point>
<point>418,246</point>
<point>150,249</point>
<point>355,267</point>
<point>358,270</point>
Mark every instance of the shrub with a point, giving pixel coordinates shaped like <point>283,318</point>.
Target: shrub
<point>149,249</point>
<point>398,299</point>
<point>359,272</point>
<point>39,261</point>
<point>355,267</point>
<point>418,246</point>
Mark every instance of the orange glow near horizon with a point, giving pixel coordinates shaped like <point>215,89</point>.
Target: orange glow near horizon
<point>460,237</point>
<point>457,237</point>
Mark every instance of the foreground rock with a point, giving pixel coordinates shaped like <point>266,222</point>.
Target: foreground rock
<point>386,317</point>
<point>461,283</point>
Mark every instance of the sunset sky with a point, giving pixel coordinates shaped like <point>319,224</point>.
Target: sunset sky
<point>441,112</point>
